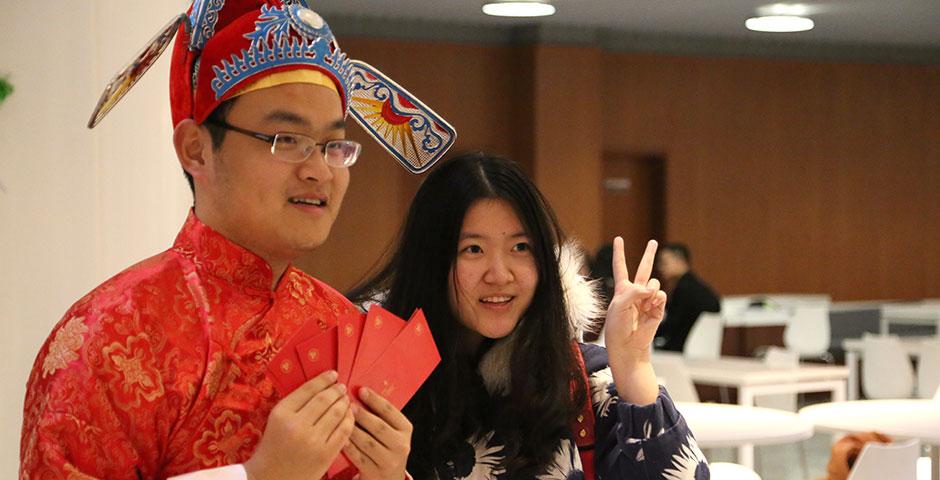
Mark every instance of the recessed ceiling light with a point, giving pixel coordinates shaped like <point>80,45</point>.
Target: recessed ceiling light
<point>518,8</point>
<point>797,9</point>
<point>779,23</point>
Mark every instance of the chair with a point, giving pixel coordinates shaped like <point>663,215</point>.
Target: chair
<point>671,369</point>
<point>923,468</point>
<point>777,357</point>
<point>704,340</point>
<point>928,370</point>
<point>731,471</point>
<point>879,461</point>
<point>886,371</point>
<point>808,332</point>
<point>733,305</point>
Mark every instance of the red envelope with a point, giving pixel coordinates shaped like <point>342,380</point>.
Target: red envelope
<point>348,333</point>
<point>285,368</point>
<point>342,469</point>
<point>404,365</point>
<point>378,332</point>
<point>318,354</point>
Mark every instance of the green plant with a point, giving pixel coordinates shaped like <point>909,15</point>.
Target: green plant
<point>6,88</point>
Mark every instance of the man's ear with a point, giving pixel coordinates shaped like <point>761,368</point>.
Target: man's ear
<point>193,147</point>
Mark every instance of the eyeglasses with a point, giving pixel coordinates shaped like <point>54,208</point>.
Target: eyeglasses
<point>296,148</point>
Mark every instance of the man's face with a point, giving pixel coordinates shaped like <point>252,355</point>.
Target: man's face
<point>670,265</point>
<point>263,204</point>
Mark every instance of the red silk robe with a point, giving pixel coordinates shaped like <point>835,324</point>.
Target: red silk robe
<point>161,370</point>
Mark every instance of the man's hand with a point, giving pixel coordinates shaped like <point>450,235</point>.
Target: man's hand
<point>381,441</point>
<point>305,432</point>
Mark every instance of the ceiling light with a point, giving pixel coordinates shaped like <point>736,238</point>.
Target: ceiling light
<point>518,8</point>
<point>779,23</point>
<point>797,9</point>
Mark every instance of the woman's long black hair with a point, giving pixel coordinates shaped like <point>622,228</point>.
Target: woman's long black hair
<point>453,405</point>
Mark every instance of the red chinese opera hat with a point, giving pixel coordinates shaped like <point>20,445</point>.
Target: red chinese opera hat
<point>225,46</point>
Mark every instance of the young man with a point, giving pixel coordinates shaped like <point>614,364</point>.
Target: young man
<point>688,297</point>
<point>161,370</point>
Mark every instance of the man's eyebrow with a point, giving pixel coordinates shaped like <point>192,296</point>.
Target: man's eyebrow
<point>287,117</point>
<point>293,118</point>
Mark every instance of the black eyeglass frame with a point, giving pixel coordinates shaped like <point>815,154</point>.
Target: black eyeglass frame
<point>272,140</point>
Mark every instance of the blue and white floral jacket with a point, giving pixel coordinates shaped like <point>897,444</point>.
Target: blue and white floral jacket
<point>631,442</point>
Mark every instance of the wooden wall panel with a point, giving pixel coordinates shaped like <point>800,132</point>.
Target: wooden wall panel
<point>568,151</point>
<point>781,175</point>
<point>790,176</point>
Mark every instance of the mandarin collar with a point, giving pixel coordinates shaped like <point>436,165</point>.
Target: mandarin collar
<point>211,251</point>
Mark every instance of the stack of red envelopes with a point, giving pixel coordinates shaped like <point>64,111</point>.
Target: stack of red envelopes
<point>377,350</point>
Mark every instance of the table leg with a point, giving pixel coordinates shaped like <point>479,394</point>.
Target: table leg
<point>746,455</point>
<point>838,392</point>
<point>935,462</point>
<point>745,396</point>
<point>746,451</point>
<point>851,361</point>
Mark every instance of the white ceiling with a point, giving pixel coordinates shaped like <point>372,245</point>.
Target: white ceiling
<point>887,23</point>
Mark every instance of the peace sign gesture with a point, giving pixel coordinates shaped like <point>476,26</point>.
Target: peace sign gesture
<point>636,309</point>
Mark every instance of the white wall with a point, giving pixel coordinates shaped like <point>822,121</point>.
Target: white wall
<point>79,205</point>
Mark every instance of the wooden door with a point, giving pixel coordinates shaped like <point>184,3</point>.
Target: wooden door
<point>633,201</point>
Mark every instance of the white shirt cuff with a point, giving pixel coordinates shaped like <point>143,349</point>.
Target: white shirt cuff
<point>228,472</point>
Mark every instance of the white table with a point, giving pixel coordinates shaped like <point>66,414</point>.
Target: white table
<point>757,317</point>
<point>853,349</point>
<point>752,377</point>
<point>717,425</point>
<point>927,313</point>
<point>918,419</point>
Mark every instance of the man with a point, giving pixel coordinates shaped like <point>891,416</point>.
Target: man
<point>161,370</point>
<point>688,296</point>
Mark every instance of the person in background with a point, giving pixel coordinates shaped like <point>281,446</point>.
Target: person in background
<point>161,371</point>
<point>688,295</point>
<point>516,396</point>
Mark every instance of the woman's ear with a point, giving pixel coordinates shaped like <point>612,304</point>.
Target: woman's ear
<point>193,147</point>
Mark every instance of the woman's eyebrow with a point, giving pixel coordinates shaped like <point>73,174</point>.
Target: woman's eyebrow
<point>474,235</point>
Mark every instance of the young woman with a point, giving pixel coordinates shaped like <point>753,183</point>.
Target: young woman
<point>479,253</point>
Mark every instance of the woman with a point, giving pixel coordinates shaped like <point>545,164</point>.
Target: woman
<point>479,253</point>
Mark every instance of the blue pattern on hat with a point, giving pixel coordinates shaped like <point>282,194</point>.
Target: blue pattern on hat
<point>204,16</point>
<point>272,45</point>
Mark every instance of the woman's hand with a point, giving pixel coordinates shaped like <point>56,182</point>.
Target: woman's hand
<point>633,316</point>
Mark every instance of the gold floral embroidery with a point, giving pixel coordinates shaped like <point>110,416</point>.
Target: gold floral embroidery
<point>64,347</point>
<point>227,442</point>
<point>300,287</point>
<point>387,388</point>
<point>74,474</point>
<point>135,373</point>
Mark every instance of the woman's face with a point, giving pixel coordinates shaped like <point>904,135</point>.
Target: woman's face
<point>494,276</point>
